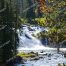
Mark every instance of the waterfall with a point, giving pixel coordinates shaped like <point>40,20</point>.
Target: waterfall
<point>26,39</point>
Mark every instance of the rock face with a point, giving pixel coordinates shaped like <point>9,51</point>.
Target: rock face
<point>65,55</point>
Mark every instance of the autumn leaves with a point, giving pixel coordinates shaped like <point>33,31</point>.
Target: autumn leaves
<point>43,7</point>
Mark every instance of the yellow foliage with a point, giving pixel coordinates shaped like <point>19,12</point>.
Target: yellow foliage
<point>41,21</point>
<point>61,4</point>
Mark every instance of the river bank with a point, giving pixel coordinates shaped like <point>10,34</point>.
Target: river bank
<point>44,58</point>
<point>29,43</point>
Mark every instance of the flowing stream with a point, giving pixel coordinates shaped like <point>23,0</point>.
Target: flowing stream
<point>26,39</point>
<point>27,43</point>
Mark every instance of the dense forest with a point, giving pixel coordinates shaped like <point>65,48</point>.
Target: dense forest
<point>49,14</point>
<point>7,35</point>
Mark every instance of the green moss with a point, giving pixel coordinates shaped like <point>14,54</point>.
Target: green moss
<point>59,64</point>
<point>64,64</point>
<point>27,55</point>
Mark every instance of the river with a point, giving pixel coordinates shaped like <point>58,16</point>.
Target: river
<point>28,43</point>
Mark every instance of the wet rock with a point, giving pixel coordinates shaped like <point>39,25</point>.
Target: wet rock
<point>36,58</point>
<point>59,65</point>
<point>65,55</point>
<point>45,54</point>
<point>41,57</point>
<point>49,55</point>
<point>49,59</point>
<point>64,64</point>
<point>55,58</point>
<point>32,52</point>
<point>42,51</point>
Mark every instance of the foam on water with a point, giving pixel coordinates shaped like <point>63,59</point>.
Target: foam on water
<point>30,43</point>
<point>27,41</point>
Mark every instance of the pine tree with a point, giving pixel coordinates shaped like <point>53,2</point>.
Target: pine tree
<point>8,39</point>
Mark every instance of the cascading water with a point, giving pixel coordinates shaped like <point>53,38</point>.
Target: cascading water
<point>30,43</point>
<point>26,39</point>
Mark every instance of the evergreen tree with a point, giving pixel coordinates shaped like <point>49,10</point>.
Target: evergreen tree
<point>8,39</point>
<point>30,12</point>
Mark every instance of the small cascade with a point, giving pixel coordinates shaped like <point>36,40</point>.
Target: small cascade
<point>26,39</point>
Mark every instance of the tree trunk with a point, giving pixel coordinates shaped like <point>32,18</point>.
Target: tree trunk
<point>58,48</point>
